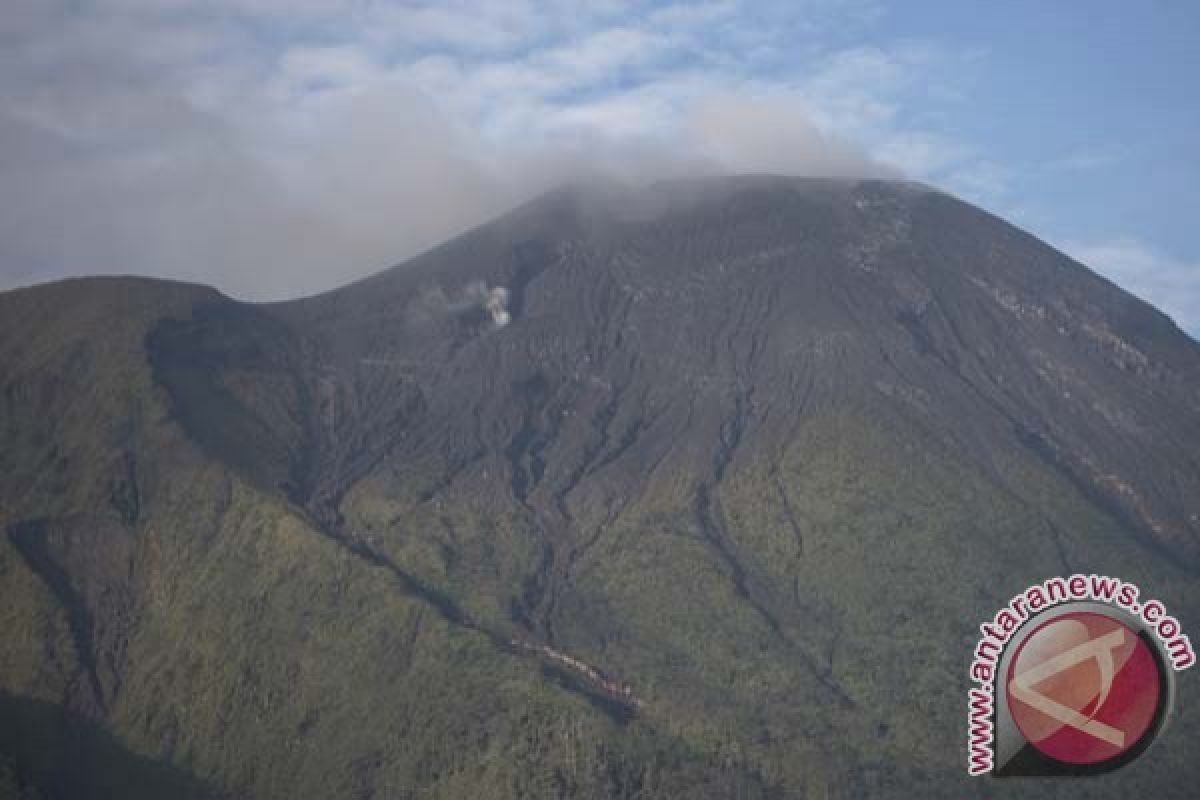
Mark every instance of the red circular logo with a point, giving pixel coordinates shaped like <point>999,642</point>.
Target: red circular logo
<point>1084,688</point>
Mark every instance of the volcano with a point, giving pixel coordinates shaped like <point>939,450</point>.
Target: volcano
<point>696,490</point>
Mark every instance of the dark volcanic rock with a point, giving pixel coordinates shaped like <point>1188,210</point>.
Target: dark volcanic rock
<point>726,312</point>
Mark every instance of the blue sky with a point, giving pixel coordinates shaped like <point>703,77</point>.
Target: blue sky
<point>278,147</point>
<point>1092,107</point>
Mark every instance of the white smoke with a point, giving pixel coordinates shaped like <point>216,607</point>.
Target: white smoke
<point>493,300</point>
<point>434,302</point>
<point>496,304</point>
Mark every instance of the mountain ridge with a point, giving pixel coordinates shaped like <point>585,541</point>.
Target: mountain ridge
<point>655,529</point>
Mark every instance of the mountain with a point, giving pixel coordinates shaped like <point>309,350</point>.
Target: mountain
<point>695,490</point>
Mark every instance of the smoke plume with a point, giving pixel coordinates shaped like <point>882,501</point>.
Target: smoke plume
<point>161,140</point>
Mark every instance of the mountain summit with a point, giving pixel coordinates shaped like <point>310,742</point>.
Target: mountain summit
<point>695,490</point>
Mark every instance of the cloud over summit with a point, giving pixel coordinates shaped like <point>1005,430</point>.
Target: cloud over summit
<point>276,148</point>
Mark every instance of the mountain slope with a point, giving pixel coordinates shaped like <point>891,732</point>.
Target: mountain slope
<point>712,508</point>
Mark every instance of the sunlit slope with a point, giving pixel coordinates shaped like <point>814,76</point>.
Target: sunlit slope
<point>715,514</point>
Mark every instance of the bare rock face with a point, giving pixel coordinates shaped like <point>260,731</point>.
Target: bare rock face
<point>696,489</point>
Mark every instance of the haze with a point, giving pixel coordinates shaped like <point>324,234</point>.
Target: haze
<point>278,149</point>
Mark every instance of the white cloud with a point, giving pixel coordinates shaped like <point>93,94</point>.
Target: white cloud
<point>774,134</point>
<point>692,15</point>
<point>601,56</point>
<point>1169,283</point>
<point>277,147</point>
<point>308,68</point>
<point>854,89</point>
